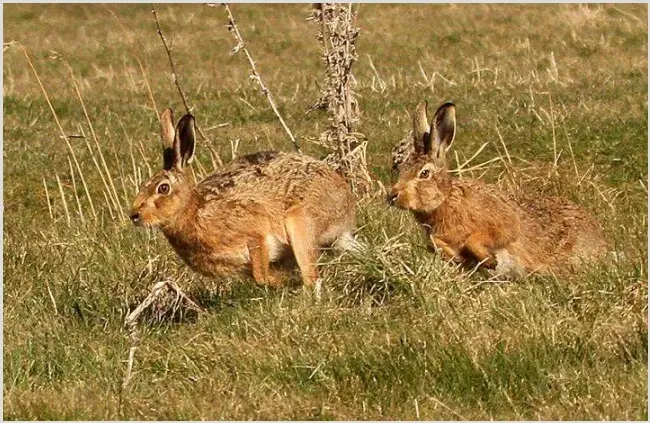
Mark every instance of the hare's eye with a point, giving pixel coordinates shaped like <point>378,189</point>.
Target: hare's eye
<point>425,174</point>
<point>163,189</point>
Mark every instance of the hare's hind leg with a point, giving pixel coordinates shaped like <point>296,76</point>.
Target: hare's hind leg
<point>303,244</point>
<point>476,244</point>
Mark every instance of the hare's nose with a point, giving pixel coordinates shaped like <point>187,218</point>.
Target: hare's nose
<point>392,197</point>
<point>135,217</point>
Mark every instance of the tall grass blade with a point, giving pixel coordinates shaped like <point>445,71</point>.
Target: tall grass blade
<point>63,134</point>
<point>63,200</point>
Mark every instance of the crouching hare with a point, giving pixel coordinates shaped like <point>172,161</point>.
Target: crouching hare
<point>473,222</point>
<point>256,210</point>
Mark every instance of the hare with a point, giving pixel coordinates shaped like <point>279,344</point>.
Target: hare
<point>256,210</point>
<point>471,222</point>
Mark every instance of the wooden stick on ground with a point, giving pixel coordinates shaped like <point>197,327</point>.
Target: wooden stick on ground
<point>132,317</point>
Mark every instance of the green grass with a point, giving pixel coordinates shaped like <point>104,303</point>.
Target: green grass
<point>399,334</point>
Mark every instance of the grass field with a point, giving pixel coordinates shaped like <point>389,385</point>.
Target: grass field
<point>398,334</point>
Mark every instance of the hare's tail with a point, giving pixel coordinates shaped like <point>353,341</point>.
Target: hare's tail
<point>347,242</point>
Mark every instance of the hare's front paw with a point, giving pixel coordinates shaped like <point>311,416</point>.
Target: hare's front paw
<point>274,278</point>
<point>445,250</point>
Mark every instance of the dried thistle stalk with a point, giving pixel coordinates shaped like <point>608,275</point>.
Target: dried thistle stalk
<point>338,34</point>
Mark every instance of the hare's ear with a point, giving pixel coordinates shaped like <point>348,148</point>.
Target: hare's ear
<point>184,141</point>
<point>443,130</point>
<point>421,129</point>
<point>167,138</point>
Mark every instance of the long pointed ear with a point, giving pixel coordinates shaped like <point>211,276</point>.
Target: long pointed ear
<point>184,141</point>
<point>421,129</point>
<point>443,130</point>
<point>167,138</point>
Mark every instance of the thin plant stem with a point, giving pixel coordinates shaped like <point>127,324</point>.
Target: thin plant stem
<point>175,77</point>
<point>47,198</point>
<point>63,200</point>
<point>232,27</point>
<point>110,186</point>
<point>65,137</point>
<point>76,196</point>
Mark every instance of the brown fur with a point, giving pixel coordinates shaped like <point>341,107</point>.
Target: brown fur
<point>470,221</point>
<point>256,210</point>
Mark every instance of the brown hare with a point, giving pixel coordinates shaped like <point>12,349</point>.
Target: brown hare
<point>473,222</point>
<point>256,210</point>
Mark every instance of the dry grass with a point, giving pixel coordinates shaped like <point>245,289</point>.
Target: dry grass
<point>550,98</point>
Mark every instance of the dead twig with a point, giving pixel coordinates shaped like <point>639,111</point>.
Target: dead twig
<point>129,367</point>
<point>175,78</point>
<point>5,46</point>
<point>171,61</point>
<point>131,319</point>
<point>157,289</point>
<point>232,27</point>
